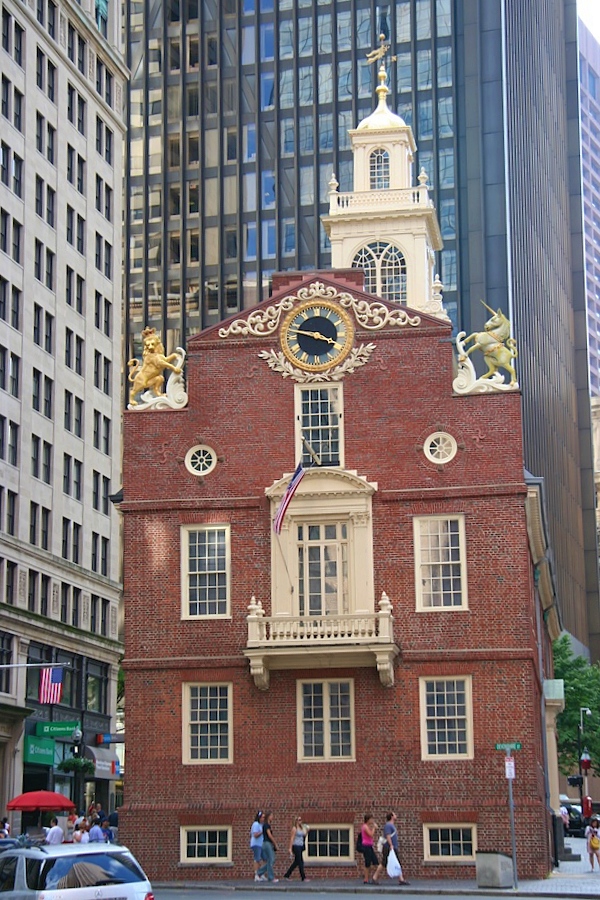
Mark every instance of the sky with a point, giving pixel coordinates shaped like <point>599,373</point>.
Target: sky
<point>589,11</point>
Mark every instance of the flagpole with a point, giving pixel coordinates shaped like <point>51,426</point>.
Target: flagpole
<point>45,665</point>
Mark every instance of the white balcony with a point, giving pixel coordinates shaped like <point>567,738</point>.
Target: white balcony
<point>363,201</point>
<point>323,641</point>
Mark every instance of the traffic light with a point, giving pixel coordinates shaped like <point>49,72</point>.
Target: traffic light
<point>76,750</point>
<point>575,780</point>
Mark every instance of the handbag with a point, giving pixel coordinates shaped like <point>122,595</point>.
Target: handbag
<point>394,869</point>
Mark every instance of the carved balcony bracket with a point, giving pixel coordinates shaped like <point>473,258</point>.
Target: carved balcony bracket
<point>385,667</point>
<point>260,673</point>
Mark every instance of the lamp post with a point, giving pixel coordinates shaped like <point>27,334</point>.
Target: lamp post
<point>584,762</point>
<point>77,738</point>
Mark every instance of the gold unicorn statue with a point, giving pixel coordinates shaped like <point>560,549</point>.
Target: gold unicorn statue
<point>496,344</point>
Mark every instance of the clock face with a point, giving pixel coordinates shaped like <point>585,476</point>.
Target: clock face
<point>317,335</point>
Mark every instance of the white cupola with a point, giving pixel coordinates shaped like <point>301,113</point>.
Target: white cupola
<point>386,225</point>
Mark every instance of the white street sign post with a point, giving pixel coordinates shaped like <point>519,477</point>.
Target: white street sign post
<point>509,771</point>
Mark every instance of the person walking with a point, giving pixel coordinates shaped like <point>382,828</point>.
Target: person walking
<point>297,842</point>
<point>592,834</point>
<point>390,842</point>
<point>269,849</point>
<point>368,846</point>
<point>256,843</point>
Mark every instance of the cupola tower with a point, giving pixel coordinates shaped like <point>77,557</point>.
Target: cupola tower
<point>387,225</point>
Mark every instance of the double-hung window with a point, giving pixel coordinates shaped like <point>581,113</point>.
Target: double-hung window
<point>325,720</point>
<point>205,571</point>
<point>446,717</point>
<point>440,577</point>
<point>207,723</point>
<point>319,417</point>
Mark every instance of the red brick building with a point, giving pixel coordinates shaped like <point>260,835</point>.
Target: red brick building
<point>371,654</point>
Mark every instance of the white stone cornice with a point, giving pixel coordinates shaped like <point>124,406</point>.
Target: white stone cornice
<point>323,480</point>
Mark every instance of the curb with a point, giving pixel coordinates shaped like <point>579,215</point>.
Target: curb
<point>414,888</point>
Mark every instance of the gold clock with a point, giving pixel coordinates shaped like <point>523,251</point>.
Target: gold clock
<point>317,335</point>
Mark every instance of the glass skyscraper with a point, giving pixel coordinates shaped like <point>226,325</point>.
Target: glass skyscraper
<point>238,120</point>
<point>239,113</point>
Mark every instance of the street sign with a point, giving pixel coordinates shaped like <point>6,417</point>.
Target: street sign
<point>509,767</point>
<point>516,745</point>
<point>110,738</point>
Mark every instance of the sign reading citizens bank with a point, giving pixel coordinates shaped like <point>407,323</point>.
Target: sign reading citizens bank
<point>56,729</point>
<point>39,750</point>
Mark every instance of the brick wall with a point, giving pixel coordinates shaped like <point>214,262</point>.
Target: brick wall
<point>245,412</point>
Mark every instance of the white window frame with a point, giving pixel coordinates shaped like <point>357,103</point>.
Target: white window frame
<point>187,724</point>
<point>460,859</point>
<point>468,683</point>
<point>383,262</point>
<point>185,860</point>
<point>343,547</point>
<point>186,530</point>
<point>379,169</point>
<point>344,826</point>
<point>301,451</point>
<point>324,496</point>
<point>327,756</point>
<point>421,605</point>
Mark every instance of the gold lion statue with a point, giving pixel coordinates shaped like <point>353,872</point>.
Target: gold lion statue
<point>149,376</point>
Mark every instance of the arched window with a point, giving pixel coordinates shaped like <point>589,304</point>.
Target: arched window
<point>393,275</point>
<point>366,259</point>
<point>379,166</point>
<point>385,270</point>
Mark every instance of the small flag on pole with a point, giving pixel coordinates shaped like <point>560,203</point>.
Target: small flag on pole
<point>287,498</point>
<point>51,685</point>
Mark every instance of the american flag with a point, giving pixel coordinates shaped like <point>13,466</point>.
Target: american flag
<point>51,685</point>
<point>287,498</point>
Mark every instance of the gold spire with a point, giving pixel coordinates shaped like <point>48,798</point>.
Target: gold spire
<point>382,117</point>
<point>382,90</point>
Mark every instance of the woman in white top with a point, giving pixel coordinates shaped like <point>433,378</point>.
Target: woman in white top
<point>592,834</point>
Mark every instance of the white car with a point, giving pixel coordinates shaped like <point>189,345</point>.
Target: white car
<point>72,872</point>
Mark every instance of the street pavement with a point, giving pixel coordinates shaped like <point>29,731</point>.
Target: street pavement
<point>570,879</point>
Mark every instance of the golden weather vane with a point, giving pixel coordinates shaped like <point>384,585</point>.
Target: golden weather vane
<point>380,51</point>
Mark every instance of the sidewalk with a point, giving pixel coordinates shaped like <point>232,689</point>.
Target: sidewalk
<point>571,879</point>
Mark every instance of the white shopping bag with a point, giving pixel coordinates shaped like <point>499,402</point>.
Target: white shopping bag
<point>394,869</point>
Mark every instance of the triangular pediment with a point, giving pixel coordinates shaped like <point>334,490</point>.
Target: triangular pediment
<point>370,312</point>
<point>322,482</point>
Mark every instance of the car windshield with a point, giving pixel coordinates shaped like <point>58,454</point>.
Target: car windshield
<point>88,870</point>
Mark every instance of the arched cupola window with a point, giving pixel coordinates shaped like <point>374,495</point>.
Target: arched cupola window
<point>385,270</point>
<point>379,168</point>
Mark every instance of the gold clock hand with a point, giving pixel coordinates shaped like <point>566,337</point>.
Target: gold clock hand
<point>314,334</point>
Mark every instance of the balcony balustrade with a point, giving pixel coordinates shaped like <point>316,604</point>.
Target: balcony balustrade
<point>336,640</point>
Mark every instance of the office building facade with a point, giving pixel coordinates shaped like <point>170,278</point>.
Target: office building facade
<point>589,68</point>
<point>60,341</point>
<point>239,113</point>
